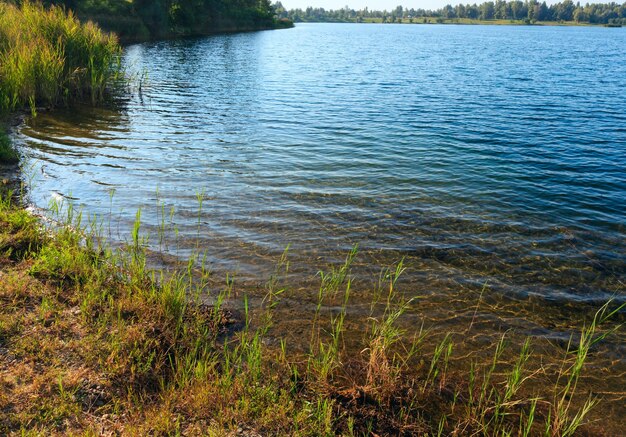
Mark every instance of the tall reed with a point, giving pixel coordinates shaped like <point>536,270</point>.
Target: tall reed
<point>48,57</point>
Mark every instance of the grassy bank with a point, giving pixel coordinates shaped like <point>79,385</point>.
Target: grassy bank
<point>93,342</point>
<point>47,57</point>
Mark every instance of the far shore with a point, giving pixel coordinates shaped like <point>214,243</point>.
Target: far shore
<point>466,21</point>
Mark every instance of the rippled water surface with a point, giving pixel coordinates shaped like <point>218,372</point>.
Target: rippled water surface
<point>481,154</point>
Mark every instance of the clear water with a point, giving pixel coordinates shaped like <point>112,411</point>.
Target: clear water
<point>481,154</point>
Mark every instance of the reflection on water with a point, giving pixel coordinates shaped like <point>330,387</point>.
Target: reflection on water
<point>481,155</point>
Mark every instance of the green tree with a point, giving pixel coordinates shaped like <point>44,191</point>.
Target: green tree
<point>565,10</point>
<point>487,11</point>
<point>154,14</point>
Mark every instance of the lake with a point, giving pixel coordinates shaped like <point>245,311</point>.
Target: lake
<point>492,159</point>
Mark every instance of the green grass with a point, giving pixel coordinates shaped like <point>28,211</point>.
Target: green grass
<point>47,58</point>
<point>93,341</point>
<point>8,154</point>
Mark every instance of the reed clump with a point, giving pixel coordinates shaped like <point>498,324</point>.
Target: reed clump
<point>48,57</point>
<point>93,342</point>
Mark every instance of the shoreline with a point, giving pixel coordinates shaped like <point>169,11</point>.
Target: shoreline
<point>91,339</point>
<point>240,316</point>
<point>469,22</point>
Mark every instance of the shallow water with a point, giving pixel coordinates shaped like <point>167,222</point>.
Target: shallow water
<point>481,154</point>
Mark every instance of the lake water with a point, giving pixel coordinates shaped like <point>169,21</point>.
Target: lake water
<point>481,154</point>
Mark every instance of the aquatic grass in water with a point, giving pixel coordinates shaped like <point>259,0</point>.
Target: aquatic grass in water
<point>8,154</point>
<point>170,363</point>
<point>47,57</point>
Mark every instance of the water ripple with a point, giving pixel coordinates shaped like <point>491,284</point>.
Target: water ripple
<point>478,153</point>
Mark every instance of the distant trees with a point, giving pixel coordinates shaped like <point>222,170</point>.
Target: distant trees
<point>487,11</point>
<point>153,13</point>
<point>538,11</point>
<point>526,10</point>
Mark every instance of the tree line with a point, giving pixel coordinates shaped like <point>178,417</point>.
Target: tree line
<point>529,11</point>
<point>143,19</point>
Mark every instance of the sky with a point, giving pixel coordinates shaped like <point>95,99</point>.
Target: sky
<point>372,4</point>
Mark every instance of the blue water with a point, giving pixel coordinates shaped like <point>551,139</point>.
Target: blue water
<point>492,159</point>
<point>481,154</point>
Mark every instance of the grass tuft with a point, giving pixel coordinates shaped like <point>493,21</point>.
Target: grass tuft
<point>47,58</point>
